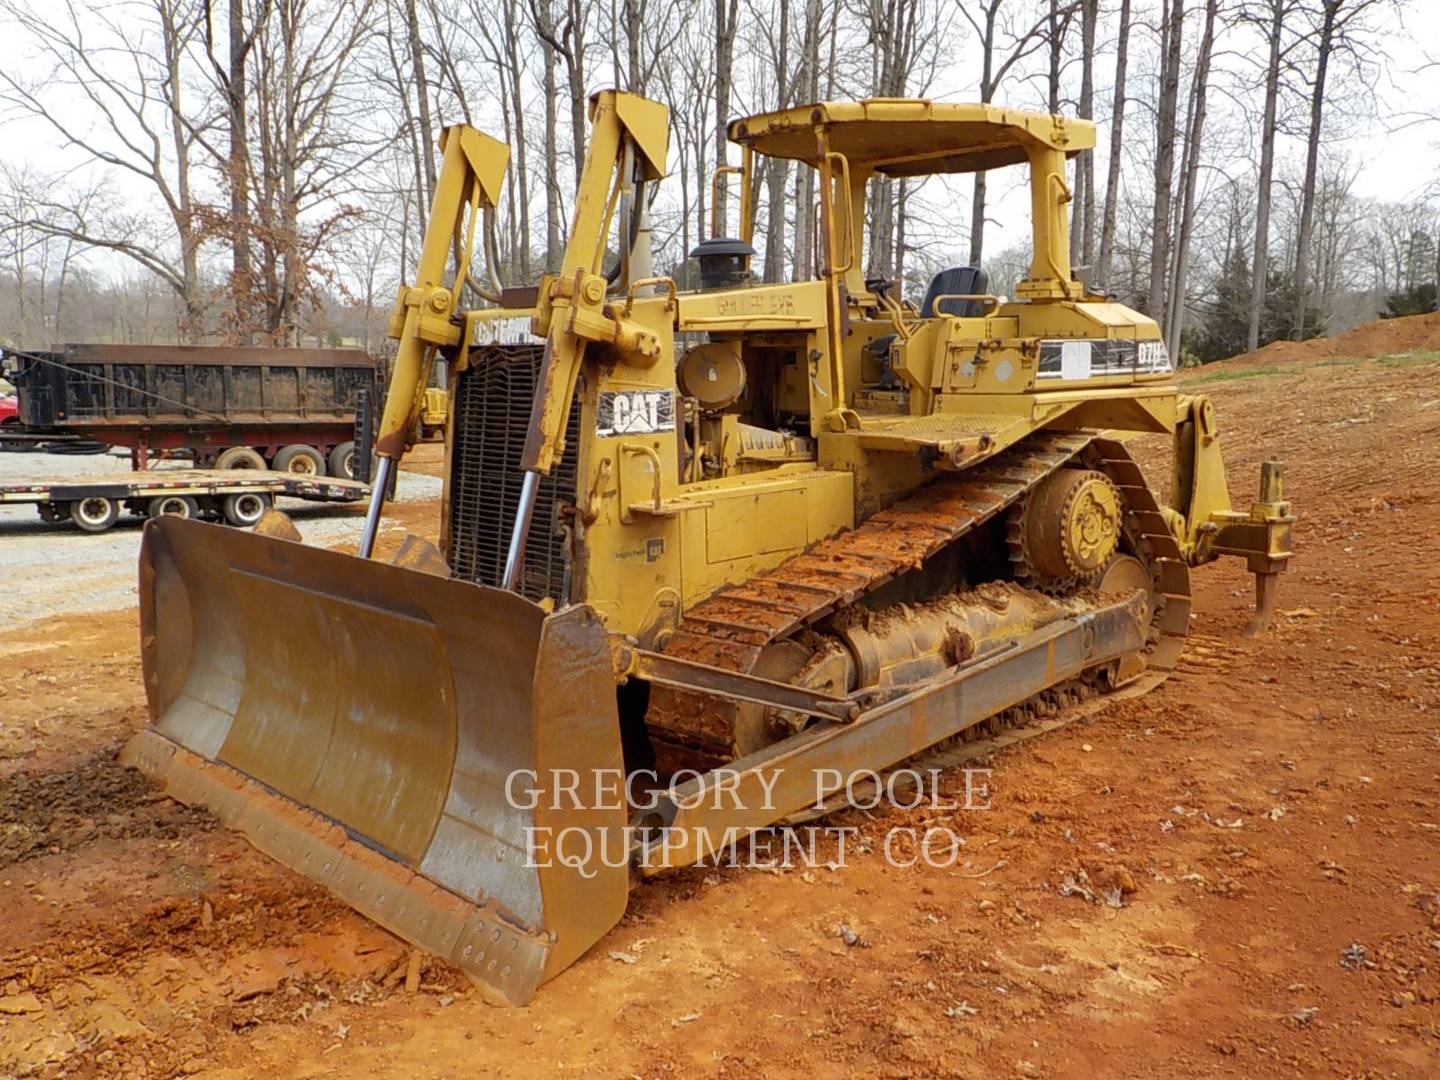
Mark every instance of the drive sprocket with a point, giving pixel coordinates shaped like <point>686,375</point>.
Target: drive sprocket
<point>1065,531</point>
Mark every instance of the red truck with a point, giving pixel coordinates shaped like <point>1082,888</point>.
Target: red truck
<point>9,417</point>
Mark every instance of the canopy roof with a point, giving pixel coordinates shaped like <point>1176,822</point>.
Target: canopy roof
<point>912,136</point>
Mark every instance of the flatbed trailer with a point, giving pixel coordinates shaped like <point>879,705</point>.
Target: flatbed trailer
<point>239,497</point>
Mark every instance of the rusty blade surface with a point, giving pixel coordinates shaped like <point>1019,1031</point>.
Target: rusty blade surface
<point>362,723</point>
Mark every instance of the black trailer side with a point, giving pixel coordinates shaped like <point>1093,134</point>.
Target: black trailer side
<point>289,409</point>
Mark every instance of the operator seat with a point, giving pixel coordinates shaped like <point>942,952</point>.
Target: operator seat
<point>957,279</point>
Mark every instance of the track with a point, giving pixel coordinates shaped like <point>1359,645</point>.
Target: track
<point>732,629</point>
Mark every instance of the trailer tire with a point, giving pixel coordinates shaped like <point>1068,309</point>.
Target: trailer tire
<point>181,506</point>
<point>13,446</point>
<point>95,514</point>
<point>240,457</point>
<point>342,461</point>
<point>300,460</point>
<point>245,508</point>
<point>77,447</point>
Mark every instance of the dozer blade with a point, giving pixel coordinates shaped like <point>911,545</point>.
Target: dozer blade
<point>360,722</point>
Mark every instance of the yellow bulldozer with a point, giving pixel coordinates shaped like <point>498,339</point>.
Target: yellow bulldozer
<point>704,554</point>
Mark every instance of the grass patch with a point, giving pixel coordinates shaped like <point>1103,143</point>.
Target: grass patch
<point>1424,356</point>
<point>1199,375</point>
<point>1240,373</point>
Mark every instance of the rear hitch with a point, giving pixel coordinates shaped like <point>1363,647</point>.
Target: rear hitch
<point>1262,536</point>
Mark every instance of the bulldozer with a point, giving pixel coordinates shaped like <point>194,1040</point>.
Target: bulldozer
<point>705,554</point>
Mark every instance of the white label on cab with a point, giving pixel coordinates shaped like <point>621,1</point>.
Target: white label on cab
<point>1075,360</point>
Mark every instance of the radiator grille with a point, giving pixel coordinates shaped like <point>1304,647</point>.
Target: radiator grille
<point>492,417</point>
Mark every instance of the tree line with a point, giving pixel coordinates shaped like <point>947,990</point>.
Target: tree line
<point>257,171</point>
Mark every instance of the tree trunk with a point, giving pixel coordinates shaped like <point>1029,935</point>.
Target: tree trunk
<point>726,12</point>
<point>1312,161</point>
<point>183,211</point>
<point>241,282</point>
<point>1175,324</point>
<point>1117,134</point>
<point>1267,171</point>
<point>287,324</point>
<point>522,157</point>
<point>575,75</point>
<point>1172,27</point>
<point>777,169</point>
<point>1085,168</point>
<point>554,243</point>
<point>987,91</point>
<point>808,90</point>
<point>422,99</point>
<point>1055,43</point>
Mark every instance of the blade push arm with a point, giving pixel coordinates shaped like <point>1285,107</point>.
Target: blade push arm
<point>471,172</point>
<point>572,311</point>
<point>628,139</point>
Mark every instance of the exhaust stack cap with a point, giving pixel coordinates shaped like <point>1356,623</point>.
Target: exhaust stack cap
<point>724,262</point>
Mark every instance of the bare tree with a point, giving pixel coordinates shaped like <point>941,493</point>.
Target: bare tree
<point>1270,15</point>
<point>1190,171</point>
<point>144,124</point>
<point>567,35</point>
<point>902,41</point>
<point>1117,134</point>
<point>726,14</point>
<point>1082,238</point>
<point>1172,28</point>
<point>541,11</point>
<point>807,88</point>
<point>231,77</point>
<point>1004,42</point>
<point>1336,19</point>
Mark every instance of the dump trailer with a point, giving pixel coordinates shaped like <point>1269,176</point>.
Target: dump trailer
<point>239,497</point>
<point>292,410</point>
<point>722,547</point>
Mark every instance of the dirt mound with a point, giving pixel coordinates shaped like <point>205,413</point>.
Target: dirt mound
<point>1383,337</point>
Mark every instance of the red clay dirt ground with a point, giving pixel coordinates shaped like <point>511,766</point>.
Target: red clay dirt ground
<point>1268,821</point>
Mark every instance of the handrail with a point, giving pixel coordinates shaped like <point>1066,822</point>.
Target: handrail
<point>991,297</point>
<point>1064,279</point>
<point>831,157</point>
<point>649,453</point>
<point>673,300</point>
<point>715,222</point>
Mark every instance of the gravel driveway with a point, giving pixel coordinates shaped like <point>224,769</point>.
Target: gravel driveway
<point>52,569</point>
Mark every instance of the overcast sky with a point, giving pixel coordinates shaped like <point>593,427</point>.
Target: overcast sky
<point>1396,158</point>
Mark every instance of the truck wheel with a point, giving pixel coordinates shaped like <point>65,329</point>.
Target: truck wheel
<point>245,508</point>
<point>13,446</point>
<point>342,461</point>
<point>300,460</point>
<point>239,457</point>
<point>181,506</point>
<point>95,514</point>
